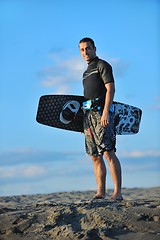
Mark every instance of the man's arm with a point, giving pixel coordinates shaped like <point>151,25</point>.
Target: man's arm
<point>108,102</point>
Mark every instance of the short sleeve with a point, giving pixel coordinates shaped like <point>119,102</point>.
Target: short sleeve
<point>105,71</point>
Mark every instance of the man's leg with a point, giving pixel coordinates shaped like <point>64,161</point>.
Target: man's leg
<point>115,170</point>
<point>100,174</point>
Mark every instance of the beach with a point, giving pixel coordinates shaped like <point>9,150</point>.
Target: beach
<point>75,215</point>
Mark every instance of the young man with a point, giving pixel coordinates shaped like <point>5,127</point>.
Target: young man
<point>99,130</point>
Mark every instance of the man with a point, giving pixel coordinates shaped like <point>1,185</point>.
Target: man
<point>99,130</point>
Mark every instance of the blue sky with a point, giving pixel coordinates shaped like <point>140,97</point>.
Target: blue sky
<point>39,55</point>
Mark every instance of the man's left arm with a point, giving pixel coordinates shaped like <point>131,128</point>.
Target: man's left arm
<point>110,87</point>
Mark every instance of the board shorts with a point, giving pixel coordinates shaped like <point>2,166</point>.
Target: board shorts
<point>98,139</point>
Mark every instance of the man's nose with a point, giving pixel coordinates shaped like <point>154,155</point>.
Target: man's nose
<point>86,52</point>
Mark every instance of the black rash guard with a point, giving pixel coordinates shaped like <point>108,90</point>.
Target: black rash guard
<point>98,73</point>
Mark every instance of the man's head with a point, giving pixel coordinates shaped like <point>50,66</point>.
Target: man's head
<point>87,49</point>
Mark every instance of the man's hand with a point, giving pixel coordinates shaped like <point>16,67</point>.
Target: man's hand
<point>105,119</point>
<point>108,101</point>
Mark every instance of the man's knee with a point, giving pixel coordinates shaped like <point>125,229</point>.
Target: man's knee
<point>109,155</point>
<point>96,158</point>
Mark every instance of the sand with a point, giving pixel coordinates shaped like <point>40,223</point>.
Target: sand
<point>74,215</point>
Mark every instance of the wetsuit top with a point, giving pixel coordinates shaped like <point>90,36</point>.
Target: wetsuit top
<point>98,73</point>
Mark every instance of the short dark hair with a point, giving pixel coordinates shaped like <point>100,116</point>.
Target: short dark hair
<point>87,39</point>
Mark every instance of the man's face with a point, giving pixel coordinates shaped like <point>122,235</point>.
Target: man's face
<point>87,51</point>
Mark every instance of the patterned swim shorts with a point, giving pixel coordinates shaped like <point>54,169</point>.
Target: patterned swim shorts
<point>98,139</point>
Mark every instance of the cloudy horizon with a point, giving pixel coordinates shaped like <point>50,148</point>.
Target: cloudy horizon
<point>51,171</point>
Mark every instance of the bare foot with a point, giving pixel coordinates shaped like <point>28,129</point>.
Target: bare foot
<point>116,197</point>
<point>98,197</point>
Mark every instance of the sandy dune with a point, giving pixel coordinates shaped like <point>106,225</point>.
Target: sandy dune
<point>73,215</point>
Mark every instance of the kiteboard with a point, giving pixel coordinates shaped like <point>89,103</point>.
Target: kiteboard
<point>65,112</point>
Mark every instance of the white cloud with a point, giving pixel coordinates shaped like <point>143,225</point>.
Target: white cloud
<point>53,81</point>
<point>148,166</point>
<point>27,156</point>
<point>62,89</point>
<point>62,73</point>
<point>139,154</point>
<point>34,171</point>
<point>28,164</point>
<point>40,171</point>
<point>22,171</point>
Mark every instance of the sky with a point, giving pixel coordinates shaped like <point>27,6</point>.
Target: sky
<point>39,55</point>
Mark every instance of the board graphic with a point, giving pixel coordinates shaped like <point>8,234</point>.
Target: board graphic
<point>52,112</point>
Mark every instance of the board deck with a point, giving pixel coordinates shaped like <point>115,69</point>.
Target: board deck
<point>127,117</point>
